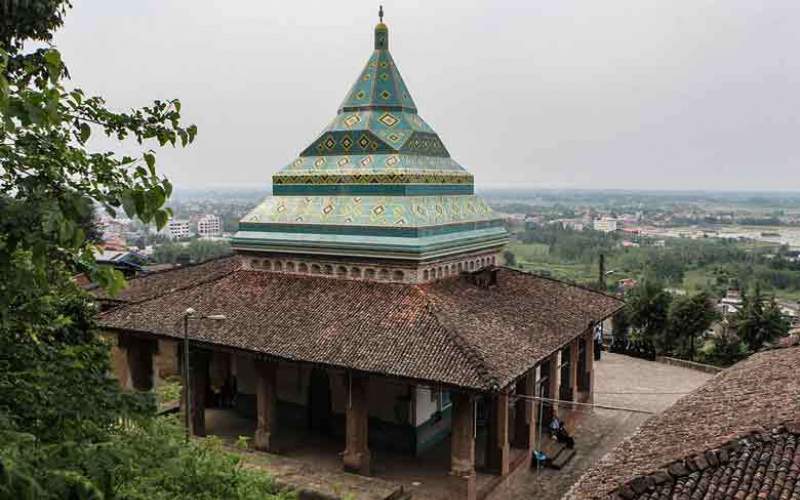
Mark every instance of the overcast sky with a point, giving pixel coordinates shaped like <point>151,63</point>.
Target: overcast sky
<point>668,94</point>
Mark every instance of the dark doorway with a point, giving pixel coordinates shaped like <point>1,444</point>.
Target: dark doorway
<point>319,401</point>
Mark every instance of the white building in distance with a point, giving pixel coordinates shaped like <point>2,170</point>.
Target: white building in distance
<point>209,225</point>
<point>606,225</point>
<point>179,228</point>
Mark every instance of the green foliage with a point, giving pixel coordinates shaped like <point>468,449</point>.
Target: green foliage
<point>169,391</point>
<point>647,310</point>
<point>47,173</point>
<point>510,258</point>
<point>689,317</point>
<point>620,327</point>
<point>759,321</point>
<point>195,251</point>
<point>66,430</point>
<point>723,349</point>
<point>143,460</point>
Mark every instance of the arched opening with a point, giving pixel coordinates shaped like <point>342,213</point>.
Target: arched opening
<point>398,276</point>
<point>328,269</point>
<point>267,264</point>
<point>290,267</point>
<point>278,265</point>
<point>303,268</point>
<point>315,269</point>
<point>341,271</point>
<point>384,274</point>
<point>370,273</point>
<point>425,275</point>
<point>355,272</point>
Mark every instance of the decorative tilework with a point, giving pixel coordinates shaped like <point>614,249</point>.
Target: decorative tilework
<point>374,178</point>
<point>376,171</point>
<point>417,211</point>
<point>388,119</point>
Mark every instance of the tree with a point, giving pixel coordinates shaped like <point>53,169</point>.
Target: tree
<point>689,317</point>
<point>647,309</point>
<point>510,258</point>
<point>759,320</point>
<point>620,325</point>
<point>66,430</point>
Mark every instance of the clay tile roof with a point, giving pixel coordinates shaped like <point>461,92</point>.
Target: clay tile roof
<point>159,283</point>
<point>451,332</point>
<point>750,411</point>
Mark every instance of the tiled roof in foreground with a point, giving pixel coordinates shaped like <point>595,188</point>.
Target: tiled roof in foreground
<point>451,332</point>
<point>734,437</point>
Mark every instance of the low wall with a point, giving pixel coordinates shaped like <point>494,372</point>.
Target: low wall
<point>688,364</point>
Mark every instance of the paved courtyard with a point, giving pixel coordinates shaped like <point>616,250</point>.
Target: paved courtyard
<point>621,381</point>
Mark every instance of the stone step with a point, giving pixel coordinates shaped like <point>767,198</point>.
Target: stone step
<point>562,458</point>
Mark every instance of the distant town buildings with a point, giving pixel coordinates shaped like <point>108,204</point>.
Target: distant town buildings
<point>209,225</point>
<point>605,224</point>
<point>178,228</point>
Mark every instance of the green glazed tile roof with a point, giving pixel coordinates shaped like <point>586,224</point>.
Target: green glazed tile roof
<point>377,171</point>
<point>376,135</point>
<point>380,211</point>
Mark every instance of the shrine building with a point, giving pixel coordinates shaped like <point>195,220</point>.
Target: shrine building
<point>365,304</point>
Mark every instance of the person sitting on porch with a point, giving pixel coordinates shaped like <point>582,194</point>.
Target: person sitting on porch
<point>560,434</point>
<point>540,459</point>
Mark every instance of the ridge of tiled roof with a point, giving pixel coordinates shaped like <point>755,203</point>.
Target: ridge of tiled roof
<point>564,282</point>
<point>755,395</point>
<point>762,464</point>
<point>450,332</point>
<point>479,363</point>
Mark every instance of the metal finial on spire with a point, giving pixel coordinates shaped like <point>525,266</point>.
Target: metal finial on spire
<point>380,13</point>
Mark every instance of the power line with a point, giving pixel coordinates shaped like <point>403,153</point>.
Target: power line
<point>592,405</point>
<point>642,393</point>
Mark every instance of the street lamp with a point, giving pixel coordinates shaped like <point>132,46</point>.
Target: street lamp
<point>187,393</point>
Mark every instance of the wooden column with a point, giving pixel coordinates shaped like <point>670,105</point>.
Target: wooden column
<point>462,447</point>
<point>554,378</point>
<point>266,398</point>
<point>356,455</point>
<point>590,347</point>
<point>525,412</point>
<point>573,370</point>
<point>198,380</point>
<point>497,453</point>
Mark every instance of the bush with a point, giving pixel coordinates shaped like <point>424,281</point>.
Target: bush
<point>141,460</point>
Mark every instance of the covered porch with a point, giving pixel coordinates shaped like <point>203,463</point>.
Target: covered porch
<point>437,441</point>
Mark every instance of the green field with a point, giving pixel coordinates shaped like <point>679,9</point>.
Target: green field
<point>627,263</point>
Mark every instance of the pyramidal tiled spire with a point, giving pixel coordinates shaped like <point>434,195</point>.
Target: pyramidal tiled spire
<point>377,187</point>
<point>379,86</point>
